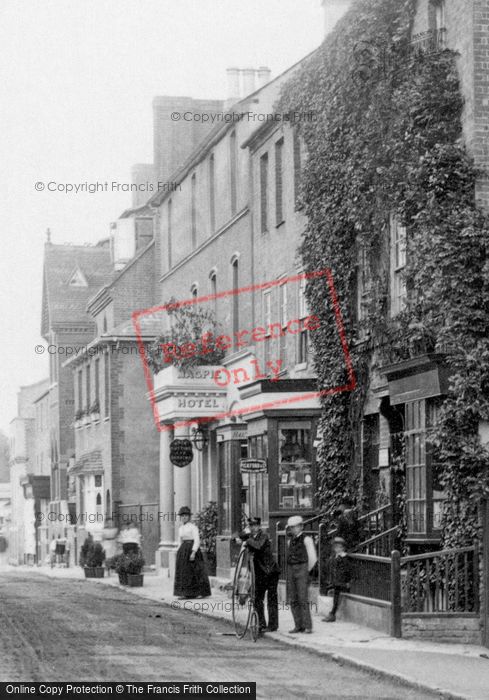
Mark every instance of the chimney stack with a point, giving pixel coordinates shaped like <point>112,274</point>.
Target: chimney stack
<point>263,75</point>
<point>233,85</point>
<point>333,11</point>
<point>248,81</point>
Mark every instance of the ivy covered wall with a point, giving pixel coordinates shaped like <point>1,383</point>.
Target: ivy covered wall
<point>390,141</point>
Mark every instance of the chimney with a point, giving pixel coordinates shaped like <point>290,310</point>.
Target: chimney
<point>233,85</point>
<point>248,81</point>
<point>263,76</point>
<point>333,11</point>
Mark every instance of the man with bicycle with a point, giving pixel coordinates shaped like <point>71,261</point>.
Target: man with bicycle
<point>266,574</point>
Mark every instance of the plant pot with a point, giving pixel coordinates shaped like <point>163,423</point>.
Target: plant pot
<point>135,580</point>
<point>89,571</point>
<point>99,571</point>
<point>123,578</point>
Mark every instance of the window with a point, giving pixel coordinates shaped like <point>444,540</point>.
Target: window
<point>303,337</point>
<point>279,208</point>
<point>213,284</point>
<point>370,442</point>
<point>106,386</point>
<point>233,162</point>
<point>88,387</point>
<point>79,403</point>
<point>235,295</point>
<point>435,491</point>
<point>104,325</point>
<point>296,486</point>
<point>267,321</point>
<point>212,194</point>
<point>363,280</point>
<point>194,209</point>
<point>283,324</point>
<point>440,25</point>
<point>97,380</point>
<point>169,228</point>
<point>264,193</point>
<point>297,164</point>
<point>398,263</point>
<point>98,480</point>
<point>193,291</point>
<point>415,437</point>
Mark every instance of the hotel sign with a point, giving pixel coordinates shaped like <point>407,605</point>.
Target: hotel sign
<point>181,452</point>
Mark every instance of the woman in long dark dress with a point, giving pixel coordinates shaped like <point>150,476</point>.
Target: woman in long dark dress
<point>191,580</point>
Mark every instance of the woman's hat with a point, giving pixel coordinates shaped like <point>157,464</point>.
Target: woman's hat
<point>294,520</point>
<point>184,510</point>
<point>254,521</point>
<point>339,540</point>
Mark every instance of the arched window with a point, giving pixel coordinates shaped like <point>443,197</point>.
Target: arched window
<point>235,275</point>
<point>213,291</point>
<point>194,290</point>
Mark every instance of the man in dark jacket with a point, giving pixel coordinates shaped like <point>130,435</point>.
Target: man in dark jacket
<point>339,575</point>
<point>266,574</point>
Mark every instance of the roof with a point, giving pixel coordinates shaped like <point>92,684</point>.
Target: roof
<point>90,463</point>
<point>88,267</point>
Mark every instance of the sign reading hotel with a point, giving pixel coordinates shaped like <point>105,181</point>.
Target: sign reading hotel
<point>183,396</point>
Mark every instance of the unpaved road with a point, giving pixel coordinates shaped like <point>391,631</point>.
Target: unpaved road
<point>69,630</point>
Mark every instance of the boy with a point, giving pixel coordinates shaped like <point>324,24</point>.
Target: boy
<point>301,559</point>
<point>339,574</point>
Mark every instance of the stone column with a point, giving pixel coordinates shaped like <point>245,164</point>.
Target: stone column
<point>166,514</point>
<point>182,477</point>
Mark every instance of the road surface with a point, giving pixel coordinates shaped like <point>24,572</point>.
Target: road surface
<point>72,630</point>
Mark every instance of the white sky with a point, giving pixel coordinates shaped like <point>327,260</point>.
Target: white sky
<point>77,80</point>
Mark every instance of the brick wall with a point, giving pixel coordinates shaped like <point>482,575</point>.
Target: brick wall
<point>134,288</point>
<point>453,629</point>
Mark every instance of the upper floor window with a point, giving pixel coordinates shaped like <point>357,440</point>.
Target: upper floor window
<point>363,280</point>
<point>297,163</point>
<point>97,380</point>
<point>264,193</point>
<point>194,209</point>
<point>235,269</point>
<point>169,229</point>
<point>213,286</point>
<point>303,338</point>
<point>104,325</point>
<point>193,291</point>
<point>212,194</point>
<point>233,163</point>
<point>437,24</point>
<point>283,324</point>
<point>106,386</point>
<point>267,322</point>
<point>79,404</point>
<point>88,393</point>
<point>279,205</point>
<point>398,264</point>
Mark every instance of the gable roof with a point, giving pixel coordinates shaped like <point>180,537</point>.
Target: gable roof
<point>64,303</point>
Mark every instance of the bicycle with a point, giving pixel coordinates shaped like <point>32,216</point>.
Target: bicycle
<point>244,613</point>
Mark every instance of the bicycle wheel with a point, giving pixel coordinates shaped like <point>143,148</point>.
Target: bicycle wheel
<point>254,626</point>
<point>243,593</point>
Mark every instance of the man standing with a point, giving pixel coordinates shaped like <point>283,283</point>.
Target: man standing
<point>301,559</point>
<point>266,574</point>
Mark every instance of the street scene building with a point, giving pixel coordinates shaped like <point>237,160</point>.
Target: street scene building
<point>293,328</point>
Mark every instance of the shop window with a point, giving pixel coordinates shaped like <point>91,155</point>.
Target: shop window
<point>415,436</point>
<point>296,487</point>
<point>225,489</point>
<point>435,490</point>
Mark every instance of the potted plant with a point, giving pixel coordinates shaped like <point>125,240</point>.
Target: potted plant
<point>206,521</point>
<point>120,566</point>
<point>134,565</point>
<point>92,557</point>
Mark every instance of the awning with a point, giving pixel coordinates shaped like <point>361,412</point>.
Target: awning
<point>89,463</point>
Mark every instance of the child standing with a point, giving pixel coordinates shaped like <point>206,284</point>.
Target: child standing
<point>339,574</point>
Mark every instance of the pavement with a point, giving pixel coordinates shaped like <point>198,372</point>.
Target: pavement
<point>453,671</point>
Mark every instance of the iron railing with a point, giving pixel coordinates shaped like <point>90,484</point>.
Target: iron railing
<point>441,582</point>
